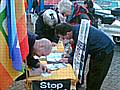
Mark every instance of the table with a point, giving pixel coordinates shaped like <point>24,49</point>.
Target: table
<point>61,79</point>
<point>63,74</point>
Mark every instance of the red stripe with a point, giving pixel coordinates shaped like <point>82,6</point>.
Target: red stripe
<point>22,36</point>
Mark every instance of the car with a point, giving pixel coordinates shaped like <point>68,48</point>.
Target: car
<point>108,5</point>
<point>116,11</point>
<point>113,31</point>
<point>103,16</point>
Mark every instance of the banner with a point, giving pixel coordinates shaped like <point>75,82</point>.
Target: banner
<point>51,85</point>
<point>79,55</point>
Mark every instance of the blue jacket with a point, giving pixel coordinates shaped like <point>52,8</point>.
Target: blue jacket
<point>97,40</point>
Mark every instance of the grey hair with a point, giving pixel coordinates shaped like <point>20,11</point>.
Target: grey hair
<point>64,6</point>
<point>46,44</point>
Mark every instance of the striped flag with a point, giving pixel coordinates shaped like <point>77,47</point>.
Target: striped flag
<point>17,33</point>
<point>21,27</point>
<point>13,41</point>
<point>7,72</point>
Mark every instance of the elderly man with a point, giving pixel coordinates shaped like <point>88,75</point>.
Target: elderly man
<point>41,47</point>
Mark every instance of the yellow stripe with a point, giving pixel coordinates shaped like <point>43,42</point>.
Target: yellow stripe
<point>4,58</point>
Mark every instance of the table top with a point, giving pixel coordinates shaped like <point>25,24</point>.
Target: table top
<point>60,74</point>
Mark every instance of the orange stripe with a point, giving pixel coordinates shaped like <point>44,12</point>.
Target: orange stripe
<point>21,28</point>
<point>5,79</point>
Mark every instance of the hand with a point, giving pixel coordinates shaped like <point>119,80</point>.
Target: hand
<point>64,60</point>
<point>43,68</point>
<point>66,55</point>
<point>54,44</point>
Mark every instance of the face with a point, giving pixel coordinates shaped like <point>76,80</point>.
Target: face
<point>68,12</point>
<point>67,36</point>
<point>42,51</point>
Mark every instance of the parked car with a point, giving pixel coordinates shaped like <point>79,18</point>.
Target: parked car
<point>108,5</point>
<point>103,16</point>
<point>116,11</point>
<point>113,30</point>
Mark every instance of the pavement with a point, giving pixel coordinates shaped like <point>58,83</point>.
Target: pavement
<point>112,80</point>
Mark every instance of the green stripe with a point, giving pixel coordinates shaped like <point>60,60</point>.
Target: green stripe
<point>2,18</point>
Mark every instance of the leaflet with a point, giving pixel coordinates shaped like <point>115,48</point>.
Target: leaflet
<point>54,57</point>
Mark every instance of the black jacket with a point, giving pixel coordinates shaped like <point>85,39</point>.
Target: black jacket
<point>44,31</point>
<point>31,62</point>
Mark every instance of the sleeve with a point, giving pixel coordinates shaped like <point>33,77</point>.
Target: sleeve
<point>32,63</point>
<point>30,60</point>
<point>31,39</point>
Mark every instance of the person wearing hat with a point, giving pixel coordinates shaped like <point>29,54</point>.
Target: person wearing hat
<point>45,23</point>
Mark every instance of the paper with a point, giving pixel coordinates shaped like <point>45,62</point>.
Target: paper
<point>55,66</point>
<point>54,57</point>
<point>45,74</point>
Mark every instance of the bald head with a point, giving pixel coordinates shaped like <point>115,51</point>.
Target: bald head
<point>42,47</point>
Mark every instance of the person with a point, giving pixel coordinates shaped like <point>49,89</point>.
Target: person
<point>38,47</point>
<point>91,12</point>
<point>45,23</point>
<point>100,48</point>
<point>73,12</point>
<point>35,6</point>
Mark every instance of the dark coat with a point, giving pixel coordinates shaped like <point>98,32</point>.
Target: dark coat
<point>44,31</point>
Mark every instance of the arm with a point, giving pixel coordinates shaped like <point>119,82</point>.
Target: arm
<point>30,60</point>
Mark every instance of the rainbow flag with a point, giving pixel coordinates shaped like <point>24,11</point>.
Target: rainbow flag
<point>18,41</point>
<point>21,28</point>
<point>17,33</point>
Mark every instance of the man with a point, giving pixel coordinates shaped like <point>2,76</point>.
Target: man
<point>40,47</point>
<point>99,46</point>
<point>91,12</point>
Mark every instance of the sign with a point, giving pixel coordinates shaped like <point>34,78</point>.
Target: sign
<point>51,85</point>
<point>79,55</point>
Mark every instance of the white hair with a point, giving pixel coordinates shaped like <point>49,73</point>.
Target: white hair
<point>64,6</point>
<point>42,47</point>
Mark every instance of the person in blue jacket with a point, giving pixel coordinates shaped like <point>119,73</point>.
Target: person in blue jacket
<point>99,46</point>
